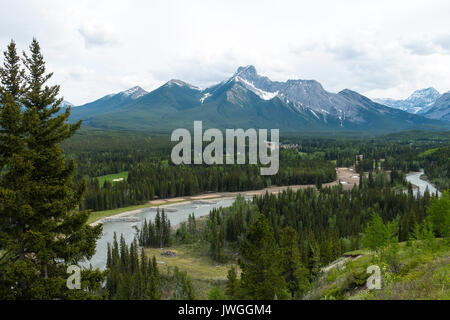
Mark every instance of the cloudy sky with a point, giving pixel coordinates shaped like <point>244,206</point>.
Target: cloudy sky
<point>381,48</point>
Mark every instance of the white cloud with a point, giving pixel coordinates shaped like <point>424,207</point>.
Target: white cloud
<point>97,36</point>
<point>383,48</point>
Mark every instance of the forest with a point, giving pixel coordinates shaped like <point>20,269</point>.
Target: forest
<point>277,246</point>
<point>305,160</point>
<point>282,242</point>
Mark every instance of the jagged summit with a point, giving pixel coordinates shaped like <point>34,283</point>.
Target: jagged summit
<point>246,71</point>
<point>419,102</point>
<point>427,93</point>
<point>247,99</point>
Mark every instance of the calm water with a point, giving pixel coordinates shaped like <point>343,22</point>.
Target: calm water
<point>126,227</point>
<point>414,178</point>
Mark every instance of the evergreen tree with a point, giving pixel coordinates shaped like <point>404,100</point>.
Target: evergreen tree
<point>232,290</point>
<point>260,277</point>
<point>42,231</point>
<point>439,215</point>
<point>11,90</point>
<point>293,271</point>
<point>378,234</point>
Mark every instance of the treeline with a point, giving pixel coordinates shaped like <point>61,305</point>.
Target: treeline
<point>101,152</point>
<point>436,164</point>
<point>150,180</point>
<point>400,151</point>
<point>271,267</point>
<point>131,275</point>
<point>157,234</point>
<point>310,160</point>
<point>326,223</point>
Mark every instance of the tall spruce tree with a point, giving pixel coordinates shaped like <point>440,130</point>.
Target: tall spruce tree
<point>232,290</point>
<point>42,231</point>
<point>11,90</point>
<point>294,272</point>
<point>261,277</point>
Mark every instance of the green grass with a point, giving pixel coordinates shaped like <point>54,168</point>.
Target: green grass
<point>111,177</point>
<point>422,274</point>
<point>194,259</point>
<point>356,253</point>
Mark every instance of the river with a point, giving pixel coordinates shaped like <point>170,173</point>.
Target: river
<point>414,178</point>
<point>126,225</point>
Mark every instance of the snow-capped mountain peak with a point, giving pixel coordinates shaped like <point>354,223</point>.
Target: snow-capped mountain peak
<point>417,103</point>
<point>134,93</point>
<point>247,71</point>
<point>265,95</point>
<point>425,94</point>
<point>181,84</point>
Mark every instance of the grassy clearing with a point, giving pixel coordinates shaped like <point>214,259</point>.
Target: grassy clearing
<point>111,177</point>
<point>193,258</point>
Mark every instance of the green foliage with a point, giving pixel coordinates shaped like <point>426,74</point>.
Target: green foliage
<point>439,215</point>
<point>188,232</point>
<point>233,284</point>
<point>294,272</point>
<point>216,294</point>
<point>157,234</point>
<point>183,286</point>
<point>41,229</point>
<point>130,276</point>
<point>260,277</point>
<point>378,234</point>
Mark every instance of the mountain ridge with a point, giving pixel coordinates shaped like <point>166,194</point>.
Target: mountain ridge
<point>247,99</point>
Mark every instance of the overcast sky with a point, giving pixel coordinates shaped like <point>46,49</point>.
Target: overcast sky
<point>380,49</point>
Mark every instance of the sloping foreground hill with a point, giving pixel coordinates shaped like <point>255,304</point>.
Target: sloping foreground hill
<point>419,273</point>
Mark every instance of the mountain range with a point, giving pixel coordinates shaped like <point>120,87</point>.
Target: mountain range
<point>248,100</point>
<point>427,102</point>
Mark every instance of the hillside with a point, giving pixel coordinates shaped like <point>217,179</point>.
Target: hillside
<point>440,109</point>
<point>419,272</point>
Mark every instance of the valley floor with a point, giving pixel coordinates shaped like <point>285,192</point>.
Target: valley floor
<point>346,176</point>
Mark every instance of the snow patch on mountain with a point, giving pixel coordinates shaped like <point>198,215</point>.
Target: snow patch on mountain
<point>315,114</point>
<point>261,93</point>
<point>417,103</point>
<point>135,92</point>
<point>205,96</point>
<point>182,84</point>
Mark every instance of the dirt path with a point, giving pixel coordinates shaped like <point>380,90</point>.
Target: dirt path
<point>338,263</point>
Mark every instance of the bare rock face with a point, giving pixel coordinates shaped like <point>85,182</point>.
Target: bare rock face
<point>249,100</point>
<point>441,109</point>
<point>419,102</point>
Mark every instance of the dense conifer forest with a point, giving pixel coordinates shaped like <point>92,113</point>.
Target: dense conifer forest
<point>306,160</point>
<point>278,246</point>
